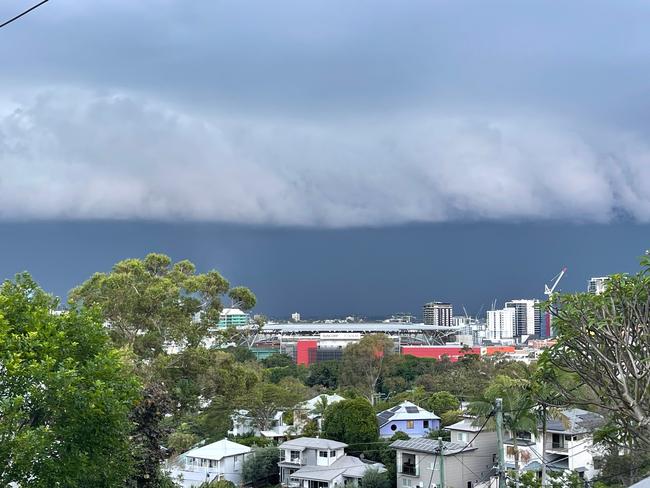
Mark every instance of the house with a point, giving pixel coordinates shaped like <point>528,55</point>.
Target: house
<point>243,425</point>
<point>309,462</point>
<point>469,458</point>
<point>220,460</point>
<point>569,444</point>
<point>407,417</point>
<point>312,410</point>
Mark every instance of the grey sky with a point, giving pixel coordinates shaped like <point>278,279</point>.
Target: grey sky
<point>326,113</point>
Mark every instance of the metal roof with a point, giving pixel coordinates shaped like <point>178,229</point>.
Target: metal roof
<point>218,450</point>
<point>405,411</point>
<point>348,466</point>
<point>302,443</point>
<point>396,328</point>
<point>430,446</point>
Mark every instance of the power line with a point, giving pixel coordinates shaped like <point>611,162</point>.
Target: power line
<point>7,22</point>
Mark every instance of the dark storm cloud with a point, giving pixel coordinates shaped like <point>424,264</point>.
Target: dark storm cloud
<point>326,113</point>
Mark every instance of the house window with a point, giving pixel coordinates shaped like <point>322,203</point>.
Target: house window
<point>332,453</point>
<point>409,424</point>
<point>524,436</point>
<point>406,481</point>
<point>425,424</point>
<point>294,456</point>
<point>461,436</point>
<point>558,441</point>
<point>408,464</point>
<point>322,454</point>
<point>469,484</point>
<point>393,427</point>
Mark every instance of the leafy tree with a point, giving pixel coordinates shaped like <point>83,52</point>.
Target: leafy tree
<point>351,421</point>
<point>325,373</point>
<point>65,394</point>
<point>441,402</point>
<point>373,478</point>
<point>148,436</point>
<point>311,429</point>
<point>363,361</point>
<point>450,417</point>
<point>242,298</point>
<point>603,340</point>
<point>218,484</point>
<point>621,470</point>
<point>264,400</point>
<point>277,360</point>
<point>261,468</point>
<point>151,302</point>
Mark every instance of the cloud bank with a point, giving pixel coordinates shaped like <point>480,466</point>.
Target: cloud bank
<point>79,155</point>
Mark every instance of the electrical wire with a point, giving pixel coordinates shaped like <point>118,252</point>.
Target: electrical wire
<point>34,7</point>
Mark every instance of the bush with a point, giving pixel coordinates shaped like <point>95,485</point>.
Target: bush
<point>261,468</point>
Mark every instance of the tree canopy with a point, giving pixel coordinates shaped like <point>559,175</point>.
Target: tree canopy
<point>351,421</point>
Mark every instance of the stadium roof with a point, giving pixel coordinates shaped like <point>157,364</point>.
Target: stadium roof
<point>396,328</point>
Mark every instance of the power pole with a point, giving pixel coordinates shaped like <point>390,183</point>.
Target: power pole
<point>498,407</point>
<point>442,462</point>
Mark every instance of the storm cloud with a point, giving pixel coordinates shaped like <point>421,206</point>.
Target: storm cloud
<point>326,113</point>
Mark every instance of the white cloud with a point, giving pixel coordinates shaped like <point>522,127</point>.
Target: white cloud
<point>75,154</point>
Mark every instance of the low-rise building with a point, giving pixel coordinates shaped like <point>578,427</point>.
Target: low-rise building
<point>233,317</point>
<point>244,425</point>
<point>220,460</point>
<point>407,417</point>
<point>309,462</point>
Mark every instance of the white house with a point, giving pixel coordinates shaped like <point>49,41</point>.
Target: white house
<point>220,460</point>
<point>309,462</point>
<point>242,425</point>
<point>311,410</point>
<point>569,444</point>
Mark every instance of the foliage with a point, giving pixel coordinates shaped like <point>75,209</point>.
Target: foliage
<point>440,402</point>
<point>242,298</point>
<point>325,373</point>
<point>450,417</point>
<point>362,363</point>
<point>261,468</point>
<point>148,436</point>
<point>253,441</point>
<point>603,340</point>
<point>351,421</point>
<point>311,429</point>
<point>65,394</point>
<point>277,360</point>
<point>218,484</point>
<point>620,470</point>
<point>264,400</point>
<point>373,478</point>
<point>442,433</point>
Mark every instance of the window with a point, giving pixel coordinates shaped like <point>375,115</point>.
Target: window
<point>393,427</point>
<point>409,424</point>
<point>469,484</point>
<point>408,464</point>
<point>322,454</point>
<point>461,436</point>
<point>294,456</point>
<point>524,436</point>
<point>406,481</point>
<point>425,424</point>
<point>332,453</point>
<point>558,441</point>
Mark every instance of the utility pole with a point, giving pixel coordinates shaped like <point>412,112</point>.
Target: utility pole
<point>442,462</point>
<point>498,407</point>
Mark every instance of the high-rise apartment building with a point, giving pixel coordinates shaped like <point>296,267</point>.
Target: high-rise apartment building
<point>597,285</point>
<point>437,313</point>
<point>528,318</point>
<point>501,324</point>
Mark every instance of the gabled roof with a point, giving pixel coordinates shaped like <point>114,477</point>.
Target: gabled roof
<point>465,425</point>
<point>431,446</point>
<point>311,404</point>
<point>218,450</point>
<point>302,443</point>
<point>347,466</point>
<point>575,421</point>
<point>405,411</point>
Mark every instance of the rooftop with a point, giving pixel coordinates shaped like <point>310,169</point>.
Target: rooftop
<point>575,421</point>
<point>405,411</point>
<point>302,443</point>
<point>354,327</point>
<point>218,450</point>
<point>466,425</point>
<point>348,466</point>
<point>430,446</point>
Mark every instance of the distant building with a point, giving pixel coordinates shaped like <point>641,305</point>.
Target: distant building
<point>437,313</point>
<point>407,417</point>
<point>501,324</point>
<point>597,285</point>
<point>528,318</point>
<point>295,316</point>
<point>232,317</point>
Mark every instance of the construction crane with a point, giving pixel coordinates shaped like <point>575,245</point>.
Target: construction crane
<point>556,279</point>
<point>548,292</point>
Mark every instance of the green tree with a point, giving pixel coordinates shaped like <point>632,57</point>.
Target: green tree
<point>373,478</point>
<point>261,468</point>
<point>242,298</point>
<point>362,363</point>
<point>277,360</point>
<point>65,394</point>
<point>351,421</point>
<point>264,400</point>
<point>440,402</point>
<point>603,340</point>
<point>325,373</point>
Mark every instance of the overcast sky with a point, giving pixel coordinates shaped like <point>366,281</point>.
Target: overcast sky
<point>326,113</point>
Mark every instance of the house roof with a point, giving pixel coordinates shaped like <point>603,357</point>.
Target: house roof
<point>405,411</point>
<point>575,421</point>
<point>466,425</point>
<point>302,443</point>
<point>311,404</point>
<point>232,311</point>
<point>430,446</point>
<point>218,450</point>
<point>347,466</point>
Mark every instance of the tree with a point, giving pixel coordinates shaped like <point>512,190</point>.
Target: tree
<point>604,341</point>
<point>363,361</point>
<point>441,402</point>
<point>242,298</point>
<point>373,478</point>
<point>277,360</point>
<point>261,468</point>
<point>324,373</point>
<point>351,421</point>
<point>65,394</point>
<point>151,302</point>
<point>264,400</point>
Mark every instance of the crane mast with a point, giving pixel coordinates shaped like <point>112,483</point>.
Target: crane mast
<point>548,291</point>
